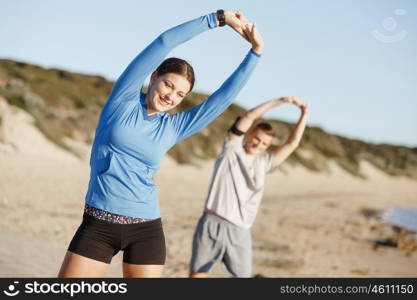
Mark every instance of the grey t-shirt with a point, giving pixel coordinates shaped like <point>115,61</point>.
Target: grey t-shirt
<point>237,183</point>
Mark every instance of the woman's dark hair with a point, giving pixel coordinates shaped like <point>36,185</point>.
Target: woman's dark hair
<point>177,66</point>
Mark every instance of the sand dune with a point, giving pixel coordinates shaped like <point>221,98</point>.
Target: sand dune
<point>309,224</point>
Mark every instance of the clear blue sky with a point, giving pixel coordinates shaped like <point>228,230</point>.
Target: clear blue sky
<point>354,62</point>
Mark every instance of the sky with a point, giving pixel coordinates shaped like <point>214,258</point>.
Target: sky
<point>354,62</point>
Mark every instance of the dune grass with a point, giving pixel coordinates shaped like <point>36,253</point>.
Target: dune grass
<point>67,104</point>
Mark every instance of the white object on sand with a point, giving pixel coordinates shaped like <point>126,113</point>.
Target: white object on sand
<point>403,217</point>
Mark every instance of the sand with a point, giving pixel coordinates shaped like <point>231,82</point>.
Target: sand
<point>309,224</point>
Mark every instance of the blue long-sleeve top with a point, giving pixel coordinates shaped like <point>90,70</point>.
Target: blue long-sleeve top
<point>129,145</point>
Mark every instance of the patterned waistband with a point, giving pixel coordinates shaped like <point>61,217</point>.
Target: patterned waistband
<point>111,217</point>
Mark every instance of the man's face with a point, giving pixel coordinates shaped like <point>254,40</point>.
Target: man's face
<point>257,142</point>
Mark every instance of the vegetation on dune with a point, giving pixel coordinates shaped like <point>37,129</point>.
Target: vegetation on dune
<point>67,104</point>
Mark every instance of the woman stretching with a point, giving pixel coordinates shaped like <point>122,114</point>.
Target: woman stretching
<point>133,134</point>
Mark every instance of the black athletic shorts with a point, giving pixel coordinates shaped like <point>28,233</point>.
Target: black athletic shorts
<point>142,243</point>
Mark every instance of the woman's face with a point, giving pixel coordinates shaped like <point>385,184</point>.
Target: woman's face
<point>166,92</point>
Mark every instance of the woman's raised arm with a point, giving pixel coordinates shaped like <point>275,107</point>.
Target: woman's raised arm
<point>148,60</point>
<point>189,122</point>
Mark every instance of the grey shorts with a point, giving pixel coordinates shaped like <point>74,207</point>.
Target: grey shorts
<point>215,240</point>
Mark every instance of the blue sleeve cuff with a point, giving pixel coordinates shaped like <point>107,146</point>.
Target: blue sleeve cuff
<point>212,19</point>
<point>253,52</point>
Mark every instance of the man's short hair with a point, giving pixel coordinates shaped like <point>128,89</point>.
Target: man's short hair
<point>266,128</point>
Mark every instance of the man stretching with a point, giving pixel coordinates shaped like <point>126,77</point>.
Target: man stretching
<point>223,232</point>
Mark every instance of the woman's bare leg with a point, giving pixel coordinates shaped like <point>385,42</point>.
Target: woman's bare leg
<point>142,271</point>
<point>75,265</point>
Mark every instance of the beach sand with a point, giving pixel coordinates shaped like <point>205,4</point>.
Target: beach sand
<point>309,224</point>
